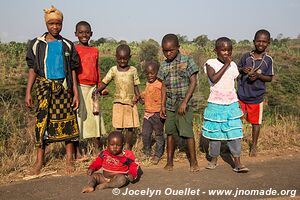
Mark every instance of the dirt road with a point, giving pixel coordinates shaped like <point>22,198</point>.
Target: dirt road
<point>276,177</point>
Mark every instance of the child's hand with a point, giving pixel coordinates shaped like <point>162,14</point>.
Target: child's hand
<point>142,101</point>
<point>130,177</point>
<point>227,60</point>
<point>253,76</point>
<point>75,103</point>
<point>135,99</point>
<point>90,172</point>
<point>28,101</point>
<point>104,92</point>
<point>247,70</point>
<point>163,112</point>
<point>182,108</point>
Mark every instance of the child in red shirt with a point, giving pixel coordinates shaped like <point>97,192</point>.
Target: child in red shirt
<point>91,124</point>
<point>119,166</point>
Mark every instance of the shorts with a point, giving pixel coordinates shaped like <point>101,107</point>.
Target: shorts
<point>252,112</point>
<point>181,125</point>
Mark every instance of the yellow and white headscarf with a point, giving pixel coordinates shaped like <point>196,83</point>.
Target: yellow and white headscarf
<point>52,13</point>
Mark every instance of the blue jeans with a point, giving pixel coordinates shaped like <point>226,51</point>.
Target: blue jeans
<point>154,123</point>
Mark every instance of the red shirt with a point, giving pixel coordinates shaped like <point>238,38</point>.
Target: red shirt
<point>88,72</point>
<point>122,164</point>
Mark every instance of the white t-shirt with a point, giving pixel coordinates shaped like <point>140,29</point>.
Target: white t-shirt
<point>223,92</point>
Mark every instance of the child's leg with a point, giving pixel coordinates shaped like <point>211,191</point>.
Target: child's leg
<point>129,138</point>
<point>214,152</point>
<point>192,152</point>
<point>170,152</point>
<point>158,127</point>
<point>69,157</point>
<point>146,135</point>
<point>40,154</point>
<point>235,149</point>
<point>117,181</point>
<point>97,145</point>
<point>214,148</point>
<point>255,135</point>
<point>94,180</point>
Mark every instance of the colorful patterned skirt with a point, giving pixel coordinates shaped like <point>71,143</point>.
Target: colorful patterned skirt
<point>55,118</point>
<point>222,122</point>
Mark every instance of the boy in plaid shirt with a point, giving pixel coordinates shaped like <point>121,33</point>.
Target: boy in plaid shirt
<point>178,75</point>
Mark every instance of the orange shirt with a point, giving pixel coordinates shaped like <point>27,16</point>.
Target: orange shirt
<point>88,72</point>
<point>152,97</point>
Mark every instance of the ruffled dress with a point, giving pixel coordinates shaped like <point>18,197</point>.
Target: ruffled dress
<point>222,122</point>
<point>222,114</point>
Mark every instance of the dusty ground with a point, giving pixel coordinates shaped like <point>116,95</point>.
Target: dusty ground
<point>277,172</point>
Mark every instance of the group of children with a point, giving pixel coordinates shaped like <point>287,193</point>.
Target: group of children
<point>67,77</point>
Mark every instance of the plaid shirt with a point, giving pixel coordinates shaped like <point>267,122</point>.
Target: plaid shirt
<point>176,75</point>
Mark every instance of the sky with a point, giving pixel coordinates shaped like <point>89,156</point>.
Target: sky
<point>137,20</point>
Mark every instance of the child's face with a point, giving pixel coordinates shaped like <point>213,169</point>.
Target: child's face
<point>83,33</point>
<point>151,73</point>
<point>170,50</point>
<point>54,27</point>
<point>123,58</point>
<point>115,146</point>
<point>224,51</point>
<point>261,42</point>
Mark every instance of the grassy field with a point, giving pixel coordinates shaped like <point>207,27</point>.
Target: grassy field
<point>280,129</point>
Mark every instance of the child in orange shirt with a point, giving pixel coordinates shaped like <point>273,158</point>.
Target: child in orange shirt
<point>152,120</point>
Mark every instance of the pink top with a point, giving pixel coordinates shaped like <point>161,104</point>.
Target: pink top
<point>223,92</point>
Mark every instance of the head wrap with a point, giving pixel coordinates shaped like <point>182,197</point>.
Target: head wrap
<point>52,13</point>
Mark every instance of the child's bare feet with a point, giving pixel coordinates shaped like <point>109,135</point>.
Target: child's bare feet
<point>168,167</point>
<point>70,168</point>
<point>102,186</point>
<point>36,169</point>
<point>87,189</point>
<point>194,168</point>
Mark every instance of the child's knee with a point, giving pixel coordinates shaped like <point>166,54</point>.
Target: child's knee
<point>118,181</point>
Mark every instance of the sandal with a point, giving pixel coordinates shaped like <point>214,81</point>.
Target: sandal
<point>211,165</point>
<point>241,169</point>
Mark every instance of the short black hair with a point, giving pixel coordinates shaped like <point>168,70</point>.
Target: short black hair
<point>123,47</point>
<point>222,40</point>
<point>116,134</point>
<point>153,63</point>
<point>264,32</point>
<point>170,38</point>
<point>83,23</point>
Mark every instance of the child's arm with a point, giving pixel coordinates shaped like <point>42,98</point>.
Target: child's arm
<point>189,93</point>
<point>137,96</point>
<point>133,166</point>
<point>96,165</point>
<point>163,101</point>
<point>100,88</point>
<point>265,78</point>
<point>75,102</point>
<point>213,76</point>
<point>31,79</point>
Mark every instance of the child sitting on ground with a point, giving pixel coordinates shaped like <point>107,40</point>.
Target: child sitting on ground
<point>119,166</point>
